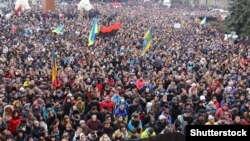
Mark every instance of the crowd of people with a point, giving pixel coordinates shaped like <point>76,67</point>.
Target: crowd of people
<point>108,91</point>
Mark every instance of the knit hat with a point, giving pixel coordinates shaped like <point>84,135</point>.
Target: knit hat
<point>162,117</point>
<point>202,97</point>
<point>210,117</point>
<point>79,98</point>
<point>26,84</point>
<point>82,121</point>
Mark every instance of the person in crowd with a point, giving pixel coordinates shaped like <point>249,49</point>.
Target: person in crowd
<point>149,132</point>
<point>94,124</point>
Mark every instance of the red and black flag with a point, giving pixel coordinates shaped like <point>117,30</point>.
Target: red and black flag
<point>110,30</point>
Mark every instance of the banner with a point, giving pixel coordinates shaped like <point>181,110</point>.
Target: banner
<point>85,5</point>
<point>23,3</point>
<point>167,3</point>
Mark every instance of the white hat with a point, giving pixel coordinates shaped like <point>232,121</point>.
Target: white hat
<point>193,85</point>
<point>202,97</point>
<point>22,89</point>
<point>210,117</point>
<point>82,121</point>
<point>149,106</point>
<point>162,117</point>
<point>70,95</point>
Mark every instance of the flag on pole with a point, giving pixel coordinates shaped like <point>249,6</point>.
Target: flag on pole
<point>54,67</point>
<point>58,29</point>
<point>18,9</point>
<point>93,31</point>
<point>148,39</point>
<point>204,21</point>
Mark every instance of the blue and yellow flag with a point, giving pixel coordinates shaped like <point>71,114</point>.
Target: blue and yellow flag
<point>148,39</point>
<point>54,66</point>
<point>204,21</point>
<point>93,31</point>
<point>58,30</point>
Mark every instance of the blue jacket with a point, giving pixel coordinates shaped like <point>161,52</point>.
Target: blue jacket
<point>123,113</point>
<point>131,127</point>
<point>46,113</point>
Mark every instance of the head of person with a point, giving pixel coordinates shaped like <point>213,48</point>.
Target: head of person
<point>211,119</point>
<point>150,131</point>
<point>225,106</point>
<point>107,125</point>
<point>107,99</point>
<point>122,107</point>
<point>94,117</point>
<point>36,123</point>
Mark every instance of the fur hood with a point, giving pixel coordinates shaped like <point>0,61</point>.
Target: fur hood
<point>8,106</point>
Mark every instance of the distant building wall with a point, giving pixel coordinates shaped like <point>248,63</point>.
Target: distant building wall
<point>210,3</point>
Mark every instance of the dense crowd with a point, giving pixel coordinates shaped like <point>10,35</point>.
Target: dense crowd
<point>190,76</point>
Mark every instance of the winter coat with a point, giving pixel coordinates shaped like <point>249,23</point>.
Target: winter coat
<point>46,113</point>
<point>14,123</point>
<point>123,113</point>
<point>94,125</point>
<point>145,134</point>
<point>133,125</point>
<point>110,105</point>
<point>37,131</point>
<point>7,115</point>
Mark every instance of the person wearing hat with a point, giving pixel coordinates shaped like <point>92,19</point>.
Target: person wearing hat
<point>149,132</point>
<point>175,108</point>
<point>210,106</point>
<point>84,127</point>
<point>161,123</point>
<point>200,120</point>
<point>200,106</point>
<point>80,104</point>
<point>75,118</point>
<point>92,136</point>
<point>105,137</point>
<point>211,121</point>
<point>135,123</point>
<point>26,110</point>
<point>20,135</point>
<point>185,119</point>
<point>37,130</point>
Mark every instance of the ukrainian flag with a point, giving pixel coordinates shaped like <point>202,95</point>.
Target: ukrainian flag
<point>58,29</point>
<point>93,31</point>
<point>204,21</point>
<point>148,39</point>
<point>54,66</point>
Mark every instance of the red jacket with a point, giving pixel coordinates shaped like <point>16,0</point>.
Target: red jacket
<point>100,87</point>
<point>220,113</point>
<point>217,104</point>
<point>13,124</point>
<point>110,105</point>
<point>57,84</point>
<point>245,122</point>
<point>139,84</point>
<point>111,82</point>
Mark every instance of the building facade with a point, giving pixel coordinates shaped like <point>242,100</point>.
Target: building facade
<point>223,4</point>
